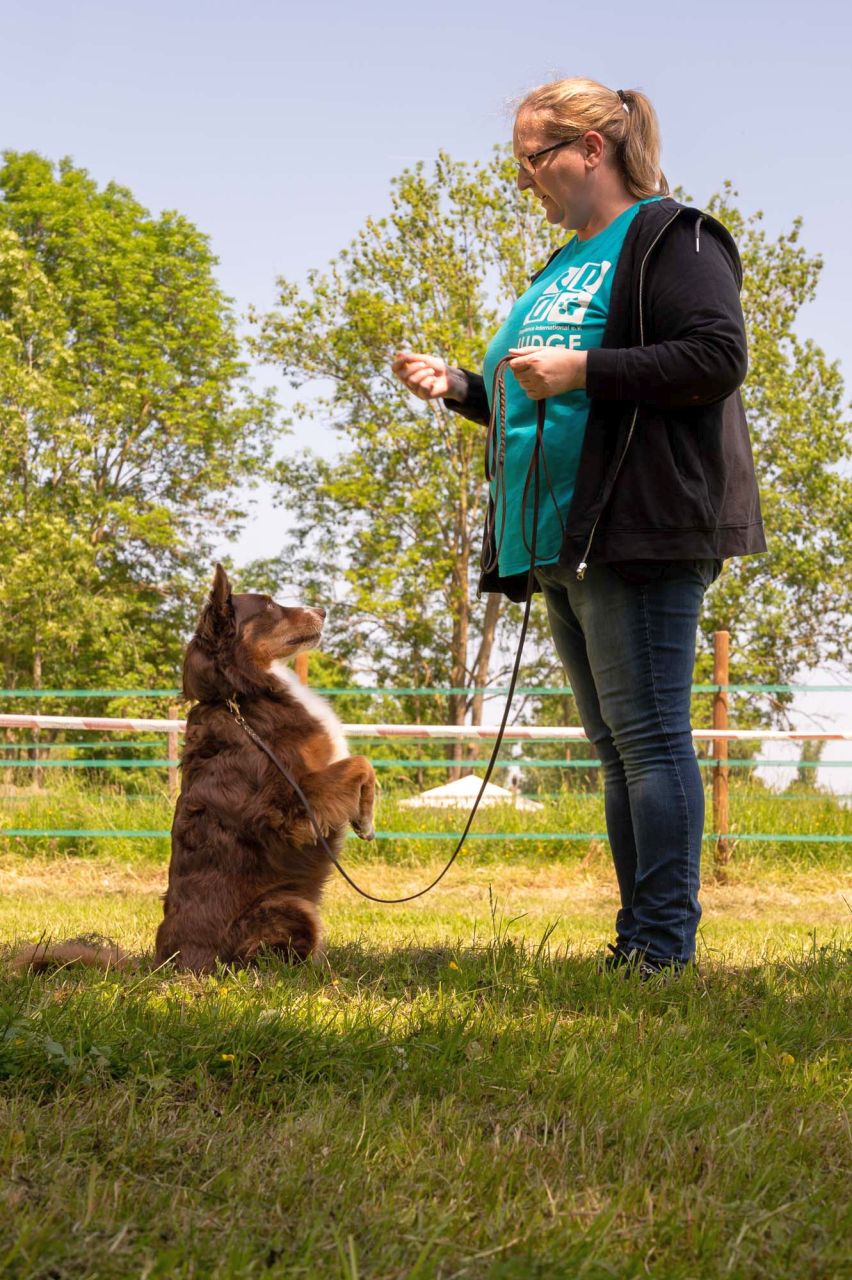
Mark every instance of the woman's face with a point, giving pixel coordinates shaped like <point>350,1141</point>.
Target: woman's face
<point>563,180</point>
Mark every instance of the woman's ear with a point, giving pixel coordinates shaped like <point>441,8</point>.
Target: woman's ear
<point>594,148</point>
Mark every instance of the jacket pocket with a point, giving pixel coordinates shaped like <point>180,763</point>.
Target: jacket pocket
<point>663,485</point>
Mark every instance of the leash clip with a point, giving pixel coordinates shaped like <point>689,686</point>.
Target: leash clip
<point>234,708</point>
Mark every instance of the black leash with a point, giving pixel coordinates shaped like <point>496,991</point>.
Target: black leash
<point>491,471</point>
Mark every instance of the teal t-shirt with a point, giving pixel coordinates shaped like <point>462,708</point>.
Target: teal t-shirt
<point>567,306</point>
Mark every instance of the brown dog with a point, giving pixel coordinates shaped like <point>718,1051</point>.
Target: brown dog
<point>247,872</point>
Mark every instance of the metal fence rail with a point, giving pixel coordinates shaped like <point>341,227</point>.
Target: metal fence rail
<point>720,735</point>
<point>425,732</point>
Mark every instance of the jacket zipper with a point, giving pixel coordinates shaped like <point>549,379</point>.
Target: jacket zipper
<point>583,565</point>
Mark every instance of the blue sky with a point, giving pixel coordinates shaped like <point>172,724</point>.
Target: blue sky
<point>277,127</point>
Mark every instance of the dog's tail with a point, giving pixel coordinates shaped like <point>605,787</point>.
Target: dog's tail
<point>97,952</point>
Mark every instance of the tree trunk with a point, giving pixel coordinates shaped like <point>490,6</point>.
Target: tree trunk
<point>418,719</point>
<point>811,753</point>
<point>457,702</point>
<point>8,771</point>
<point>482,665</point>
<point>493,605</point>
<point>38,772</point>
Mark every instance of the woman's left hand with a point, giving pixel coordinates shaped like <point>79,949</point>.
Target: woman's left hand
<point>548,371</point>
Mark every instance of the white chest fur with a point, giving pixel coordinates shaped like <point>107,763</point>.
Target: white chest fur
<point>315,706</point>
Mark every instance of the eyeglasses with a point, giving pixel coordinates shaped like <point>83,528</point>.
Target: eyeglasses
<point>528,161</point>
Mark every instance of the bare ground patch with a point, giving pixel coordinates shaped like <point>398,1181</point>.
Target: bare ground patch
<point>824,897</point>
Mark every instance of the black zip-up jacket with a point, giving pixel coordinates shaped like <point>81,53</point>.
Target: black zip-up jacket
<point>666,469</point>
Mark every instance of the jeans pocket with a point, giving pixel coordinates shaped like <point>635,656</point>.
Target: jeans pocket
<point>710,570</point>
<point>639,573</point>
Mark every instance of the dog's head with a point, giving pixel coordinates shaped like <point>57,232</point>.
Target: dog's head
<point>239,637</point>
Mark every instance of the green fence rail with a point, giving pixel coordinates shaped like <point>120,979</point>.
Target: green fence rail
<point>367,691</point>
<point>704,762</point>
<point>549,836</point>
<point>417,763</point>
<point>76,746</point>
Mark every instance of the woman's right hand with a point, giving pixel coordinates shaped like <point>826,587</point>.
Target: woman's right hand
<point>427,377</point>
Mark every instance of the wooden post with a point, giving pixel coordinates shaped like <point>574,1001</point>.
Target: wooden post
<point>9,773</point>
<point>172,752</point>
<point>721,643</point>
<point>301,665</point>
<point>38,772</point>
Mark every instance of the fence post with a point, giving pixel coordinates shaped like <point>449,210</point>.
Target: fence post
<point>721,643</point>
<point>301,665</point>
<point>9,773</point>
<point>172,752</point>
<point>38,772</point>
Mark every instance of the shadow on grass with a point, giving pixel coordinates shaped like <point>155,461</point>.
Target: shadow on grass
<point>426,1019</point>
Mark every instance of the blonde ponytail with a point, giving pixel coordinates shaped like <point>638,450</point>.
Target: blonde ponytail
<point>625,118</point>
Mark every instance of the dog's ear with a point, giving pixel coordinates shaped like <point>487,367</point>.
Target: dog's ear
<point>210,648</point>
<point>220,592</point>
<point>217,624</point>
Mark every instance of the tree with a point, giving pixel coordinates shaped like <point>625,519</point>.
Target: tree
<point>126,427</point>
<point>397,516</point>
<point>811,754</point>
<point>788,610</point>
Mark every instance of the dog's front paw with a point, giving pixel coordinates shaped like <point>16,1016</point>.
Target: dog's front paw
<point>363,830</point>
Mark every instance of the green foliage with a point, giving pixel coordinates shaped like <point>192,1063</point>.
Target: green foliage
<point>397,516</point>
<point>126,430</point>
<point>789,610</point>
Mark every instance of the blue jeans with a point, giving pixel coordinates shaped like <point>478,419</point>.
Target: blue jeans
<point>626,637</point>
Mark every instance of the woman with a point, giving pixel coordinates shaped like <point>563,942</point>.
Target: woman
<point>633,332</point>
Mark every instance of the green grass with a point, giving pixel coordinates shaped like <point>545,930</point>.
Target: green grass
<point>141,803</point>
<point>454,1091</point>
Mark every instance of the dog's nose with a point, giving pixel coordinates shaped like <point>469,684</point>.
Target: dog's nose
<point>321,613</point>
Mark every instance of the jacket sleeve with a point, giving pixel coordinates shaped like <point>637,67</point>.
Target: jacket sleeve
<point>475,404</point>
<point>692,297</point>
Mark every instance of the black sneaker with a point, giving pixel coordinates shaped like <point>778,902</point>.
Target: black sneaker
<point>648,970</point>
<point>619,957</point>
